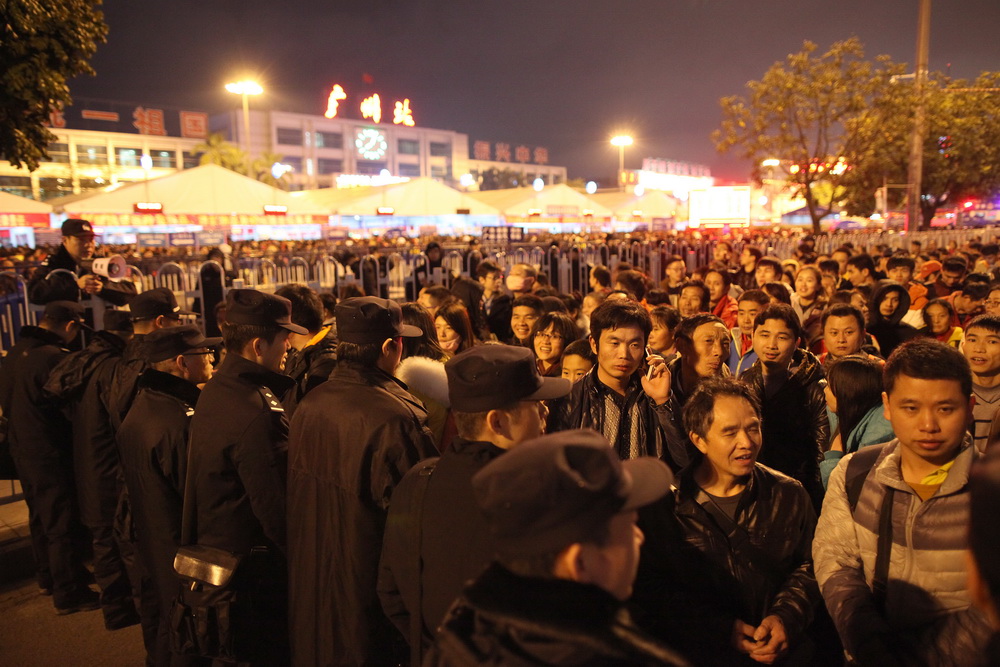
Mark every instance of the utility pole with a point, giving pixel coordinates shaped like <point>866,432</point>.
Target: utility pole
<point>916,163</point>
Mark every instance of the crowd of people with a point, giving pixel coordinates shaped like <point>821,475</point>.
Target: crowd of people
<point>760,461</point>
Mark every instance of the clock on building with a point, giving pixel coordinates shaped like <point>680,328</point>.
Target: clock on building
<point>371,144</point>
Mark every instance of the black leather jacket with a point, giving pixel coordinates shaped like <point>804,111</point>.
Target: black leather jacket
<point>698,575</point>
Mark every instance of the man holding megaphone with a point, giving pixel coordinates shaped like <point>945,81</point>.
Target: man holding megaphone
<point>96,277</point>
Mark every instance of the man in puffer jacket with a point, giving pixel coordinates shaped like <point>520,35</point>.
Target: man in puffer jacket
<point>890,546</point>
<point>789,382</point>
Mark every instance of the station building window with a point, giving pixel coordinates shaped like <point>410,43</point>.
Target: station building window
<point>127,157</point>
<point>329,140</point>
<point>163,159</point>
<point>16,185</point>
<point>439,171</point>
<point>58,152</point>
<point>93,154</point>
<point>190,160</point>
<point>409,147</point>
<point>374,168</point>
<point>49,188</point>
<point>329,166</point>
<point>440,150</point>
<point>409,170</point>
<point>288,136</point>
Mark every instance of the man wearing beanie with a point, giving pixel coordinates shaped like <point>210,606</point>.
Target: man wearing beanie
<point>352,440</point>
<point>561,510</point>
<point>435,537</point>
<point>77,247</point>
<point>234,498</point>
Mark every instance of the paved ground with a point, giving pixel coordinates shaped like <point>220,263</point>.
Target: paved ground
<point>31,635</point>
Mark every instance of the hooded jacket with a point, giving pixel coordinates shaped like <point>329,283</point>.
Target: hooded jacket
<point>892,331</point>
<point>795,427</point>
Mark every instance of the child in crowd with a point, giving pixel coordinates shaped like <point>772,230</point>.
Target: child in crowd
<point>578,360</point>
<point>741,354</point>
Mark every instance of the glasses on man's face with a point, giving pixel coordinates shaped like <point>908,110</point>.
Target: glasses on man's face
<point>545,336</point>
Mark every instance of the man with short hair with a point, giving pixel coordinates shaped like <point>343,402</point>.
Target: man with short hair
<point>41,445</point>
<point>949,280</point>
<point>234,496</point>
<point>76,249</point>
<point>722,253</point>
<point>675,271</point>
<point>435,538</point>
<point>561,510</point>
<point>741,354</point>
<point>693,298</point>
<point>969,301</point>
<point>312,356</point>
<point>889,551</point>
<point>788,383</point>
<point>633,282</point>
<point>843,333</point>
<point>153,443</point>
<point>861,270</point>
<point>616,397</point>
<point>496,304</point>
<point>981,348</point>
<point>600,279</point>
<point>432,296</point>
<point>768,271</point>
<point>521,279</point>
<point>746,276</point>
<point>525,311</point>
<point>720,599</point>
<point>352,440</point>
<point>841,255</point>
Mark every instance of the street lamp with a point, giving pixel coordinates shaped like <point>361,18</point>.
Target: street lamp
<point>245,88</point>
<point>621,141</point>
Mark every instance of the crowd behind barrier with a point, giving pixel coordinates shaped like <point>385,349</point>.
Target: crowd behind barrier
<point>389,269</point>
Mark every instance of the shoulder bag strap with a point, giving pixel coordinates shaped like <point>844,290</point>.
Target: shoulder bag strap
<point>884,549</point>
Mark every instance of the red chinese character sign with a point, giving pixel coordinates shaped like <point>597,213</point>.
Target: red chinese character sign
<point>149,121</point>
<point>481,150</point>
<point>371,107</point>
<point>541,155</point>
<point>336,95</point>
<point>502,152</point>
<point>194,124</point>
<point>522,154</point>
<point>401,114</point>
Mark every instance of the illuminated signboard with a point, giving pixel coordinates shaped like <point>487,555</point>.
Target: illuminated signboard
<point>720,206</point>
<point>370,107</point>
<point>501,152</point>
<point>104,116</point>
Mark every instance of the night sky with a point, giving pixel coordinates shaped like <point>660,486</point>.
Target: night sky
<point>556,73</point>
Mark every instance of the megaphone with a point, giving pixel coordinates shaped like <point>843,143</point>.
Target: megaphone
<point>113,268</point>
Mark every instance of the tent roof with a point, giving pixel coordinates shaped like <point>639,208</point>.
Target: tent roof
<point>653,203</point>
<point>13,204</point>
<point>418,196</point>
<point>518,201</point>
<point>208,189</point>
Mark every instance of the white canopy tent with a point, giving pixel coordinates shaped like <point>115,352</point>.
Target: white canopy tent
<point>208,189</point>
<point>13,204</point>
<point>416,197</point>
<point>627,205</point>
<point>552,200</point>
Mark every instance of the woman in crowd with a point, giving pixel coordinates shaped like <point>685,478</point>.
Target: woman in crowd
<point>422,370</point>
<point>854,396</point>
<point>808,303</point>
<point>553,332</point>
<point>939,320</point>
<point>454,328</point>
<point>722,305</point>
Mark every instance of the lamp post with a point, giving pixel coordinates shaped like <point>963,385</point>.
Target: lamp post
<point>621,141</point>
<point>916,162</point>
<point>245,88</point>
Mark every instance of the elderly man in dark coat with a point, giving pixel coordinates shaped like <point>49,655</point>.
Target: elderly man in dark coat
<point>352,440</point>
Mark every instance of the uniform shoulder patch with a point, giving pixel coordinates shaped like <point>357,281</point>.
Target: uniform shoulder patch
<point>271,400</point>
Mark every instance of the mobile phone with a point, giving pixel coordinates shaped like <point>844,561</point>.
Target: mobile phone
<point>649,371</point>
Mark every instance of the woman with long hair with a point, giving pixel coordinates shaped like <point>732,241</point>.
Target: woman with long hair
<point>454,328</point>
<point>552,333</point>
<point>854,395</point>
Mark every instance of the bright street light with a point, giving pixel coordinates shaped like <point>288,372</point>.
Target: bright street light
<point>771,162</point>
<point>245,88</point>
<point>621,141</point>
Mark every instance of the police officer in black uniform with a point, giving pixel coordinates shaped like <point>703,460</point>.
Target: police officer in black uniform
<point>153,441</point>
<point>41,444</point>
<point>77,247</point>
<point>234,498</point>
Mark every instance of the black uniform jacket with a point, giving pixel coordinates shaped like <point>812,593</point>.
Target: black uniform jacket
<point>697,575</point>
<point>125,381</point>
<point>42,289</point>
<point>794,427</point>
<point>154,444</point>
<point>352,440</point>
<point>504,619</point>
<point>449,546</point>
<point>80,382</point>
<point>234,496</point>
<point>37,430</point>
